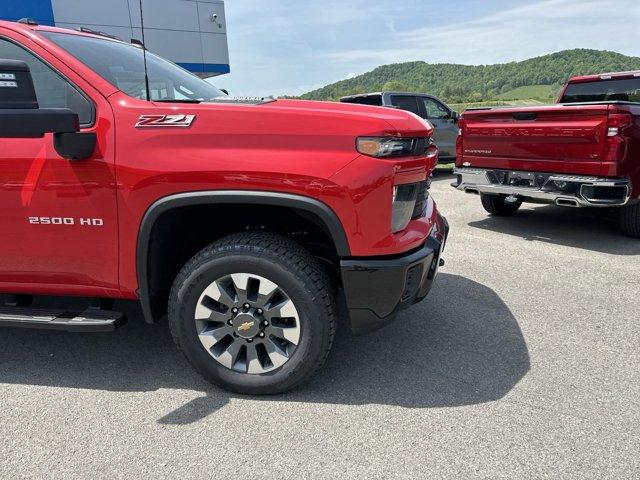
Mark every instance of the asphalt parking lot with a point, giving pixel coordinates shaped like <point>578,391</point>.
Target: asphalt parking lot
<point>523,363</point>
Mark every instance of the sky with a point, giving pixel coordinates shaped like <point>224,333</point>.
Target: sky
<point>289,47</point>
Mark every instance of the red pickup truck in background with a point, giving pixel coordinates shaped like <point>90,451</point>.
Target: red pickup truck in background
<point>241,220</point>
<point>584,151</point>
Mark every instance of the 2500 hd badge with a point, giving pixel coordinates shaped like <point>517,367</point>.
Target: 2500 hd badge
<point>88,222</point>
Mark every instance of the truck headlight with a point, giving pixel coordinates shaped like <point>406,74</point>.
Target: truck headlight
<point>385,146</point>
<point>404,202</point>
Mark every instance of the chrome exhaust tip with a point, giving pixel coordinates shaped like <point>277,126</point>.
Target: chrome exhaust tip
<point>567,202</point>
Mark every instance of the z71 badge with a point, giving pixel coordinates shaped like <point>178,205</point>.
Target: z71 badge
<point>152,121</point>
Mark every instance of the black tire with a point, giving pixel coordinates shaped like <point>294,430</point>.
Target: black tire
<point>630,220</point>
<point>286,264</point>
<point>495,205</point>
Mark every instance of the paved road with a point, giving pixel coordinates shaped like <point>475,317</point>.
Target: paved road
<point>523,363</point>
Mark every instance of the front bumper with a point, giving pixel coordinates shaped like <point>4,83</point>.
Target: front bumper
<point>376,288</point>
<point>563,190</point>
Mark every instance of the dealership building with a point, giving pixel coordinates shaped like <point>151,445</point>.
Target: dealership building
<point>191,33</point>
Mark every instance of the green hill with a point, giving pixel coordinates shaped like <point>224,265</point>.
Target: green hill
<point>542,92</point>
<point>538,78</point>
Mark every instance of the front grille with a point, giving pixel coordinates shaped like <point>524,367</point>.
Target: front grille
<point>421,200</point>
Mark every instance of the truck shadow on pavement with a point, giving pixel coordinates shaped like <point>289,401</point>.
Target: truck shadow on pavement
<point>461,346</point>
<point>591,229</point>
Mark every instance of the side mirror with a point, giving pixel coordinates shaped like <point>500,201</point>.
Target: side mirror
<point>75,145</point>
<point>21,117</point>
<point>455,116</point>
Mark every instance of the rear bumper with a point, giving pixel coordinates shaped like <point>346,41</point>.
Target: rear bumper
<point>376,288</point>
<point>563,190</point>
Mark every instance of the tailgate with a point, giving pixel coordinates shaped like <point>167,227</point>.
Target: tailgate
<point>558,138</point>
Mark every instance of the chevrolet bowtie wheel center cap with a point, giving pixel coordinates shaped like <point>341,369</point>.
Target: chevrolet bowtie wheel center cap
<point>246,325</point>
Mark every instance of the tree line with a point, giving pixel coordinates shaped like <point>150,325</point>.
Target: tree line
<point>470,83</point>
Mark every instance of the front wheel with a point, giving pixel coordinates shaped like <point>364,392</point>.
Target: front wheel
<point>254,313</point>
<point>630,220</point>
<point>496,205</point>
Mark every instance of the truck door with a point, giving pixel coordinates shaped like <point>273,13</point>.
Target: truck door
<point>446,126</point>
<point>58,221</point>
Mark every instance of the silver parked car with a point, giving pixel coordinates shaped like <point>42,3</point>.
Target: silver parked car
<point>443,118</point>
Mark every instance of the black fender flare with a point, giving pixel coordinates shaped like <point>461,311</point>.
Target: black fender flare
<point>322,211</point>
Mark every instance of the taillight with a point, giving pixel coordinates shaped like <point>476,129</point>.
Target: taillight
<point>616,143</point>
<point>617,121</point>
<point>461,123</point>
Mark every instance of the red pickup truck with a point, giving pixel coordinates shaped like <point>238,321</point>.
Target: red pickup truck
<point>584,151</point>
<point>242,220</point>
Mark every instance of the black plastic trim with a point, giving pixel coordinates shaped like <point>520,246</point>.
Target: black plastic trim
<point>376,288</point>
<point>249,197</point>
<point>34,123</point>
<point>525,115</point>
<point>76,145</point>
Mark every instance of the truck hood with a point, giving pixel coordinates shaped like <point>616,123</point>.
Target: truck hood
<point>287,138</point>
<point>398,122</point>
<point>329,117</point>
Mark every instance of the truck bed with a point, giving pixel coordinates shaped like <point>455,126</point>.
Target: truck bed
<point>519,107</point>
<point>560,138</point>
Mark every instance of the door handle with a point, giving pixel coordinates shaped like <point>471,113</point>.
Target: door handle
<point>525,116</point>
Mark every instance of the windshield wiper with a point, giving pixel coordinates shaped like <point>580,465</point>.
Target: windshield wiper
<point>182,100</point>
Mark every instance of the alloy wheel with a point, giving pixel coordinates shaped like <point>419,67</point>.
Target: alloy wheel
<point>247,323</point>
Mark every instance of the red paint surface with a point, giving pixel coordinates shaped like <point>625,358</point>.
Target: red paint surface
<point>304,148</point>
<point>568,139</point>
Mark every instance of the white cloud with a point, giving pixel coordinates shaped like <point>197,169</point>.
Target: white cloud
<point>292,46</point>
<point>514,34</point>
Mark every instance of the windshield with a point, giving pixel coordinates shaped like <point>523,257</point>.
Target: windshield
<point>121,64</point>
<point>623,90</point>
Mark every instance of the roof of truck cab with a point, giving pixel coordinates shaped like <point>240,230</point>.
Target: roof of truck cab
<point>604,76</point>
<point>387,93</point>
<point>30,29</point>
<point>361,95</point>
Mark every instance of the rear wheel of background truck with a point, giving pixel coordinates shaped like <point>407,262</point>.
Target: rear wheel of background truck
<point>254,313</point>
<point>630,220</point>
<point>495,205</point>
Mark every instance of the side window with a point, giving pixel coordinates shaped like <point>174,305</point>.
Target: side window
<point>406,102</point>
<point>435,109</point>
<point>52,90</point>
